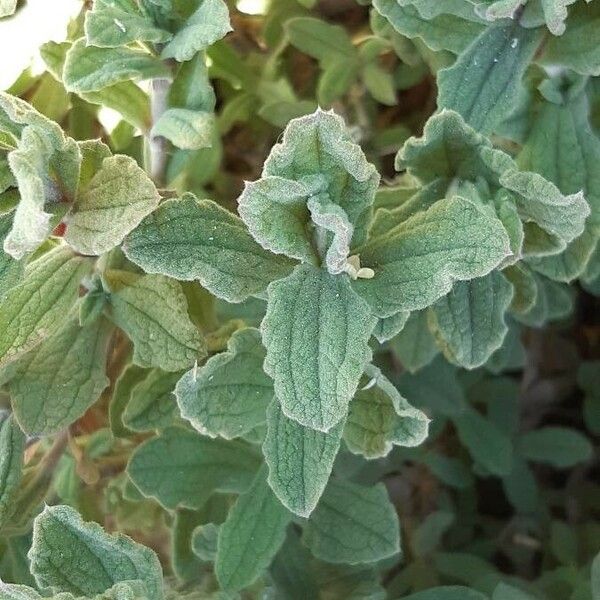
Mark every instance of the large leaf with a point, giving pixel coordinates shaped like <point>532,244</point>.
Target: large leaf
<point>34,309</point>
<point>417,262</point>
<point>12,446</point>
<point>353,524</point>
<point>251,536</point>
<point>380,418</point>
<point>89,68</point>
<point>70,555</point>
<point>316,331</point>
<point>470,321</point>
<point>229,395</point>
<point>60,379</point>
<point>181,467</point>
<point>113,202</point>
<point>152,310</point>
<point>190,239</point>
<point>484,82</point>
<point>300,460</point>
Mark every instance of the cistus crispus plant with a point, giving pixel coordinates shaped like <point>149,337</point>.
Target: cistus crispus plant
<point>298,301</point>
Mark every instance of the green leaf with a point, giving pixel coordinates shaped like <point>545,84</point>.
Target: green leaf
<point>184,128</point>
<point>578,48</point>
<point>380,418</point>
<point>152,402</point>
<point>59,380</point>
<point>12,447</point>
<point>469,322</point>
<point>112,25</point>
<point>11,270</point>
<point>130,376</point>
<point>34,309</point>
<point>300,460</point>
<point>507,592</point>
<point>449,592</point>
<point>389,327</point>
<point>487,444</point>
<point>209,23</point>
<point>152,310</point>
<point>353,524</point>
<point>417,262</point>
<point>429,533</point>
<point>560,447</point>
<point>439,32</point>
<point>190,239</point>
<point>316,331</point>
<point>251,536</point>
<point>484,82</point>
<point>182,468</point>
<point>89,69</point>
<point>112,203</point>
<point>204,542</point>
<point>415,345</point>
<point>70,555</point>
<point>229,395</point>
<point>327,43</point>
<point>316,157</point>
<point>569,161</point>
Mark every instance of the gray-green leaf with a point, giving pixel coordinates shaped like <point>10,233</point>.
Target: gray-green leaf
<point>12,446</point>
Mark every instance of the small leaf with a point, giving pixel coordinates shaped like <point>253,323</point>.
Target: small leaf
<point>316,331</point>
<point>470,321</point>
<point>389,327</point>
<point>251,536</point>
<point>89,69</point>
<point>184,128</point>
<point>70,555</point>
<point>415,345</point>
<point>209,23</point>
<point>183,468</point>
<point>204,542</point>
<point>190,239</point>
<point>561,447</point>
<point>152,310</point>
<point>353,524</point>
<point>11,270</point>
<point>229,395</point>
<point>483,83</point>
<point>417,262</point>
<point>113,203</point>
<point>60,379</point>
<point>300,460</point>
<point>12,447</point>
<point>380,418</point>
<point>34,309</point>
<point>152,403</point>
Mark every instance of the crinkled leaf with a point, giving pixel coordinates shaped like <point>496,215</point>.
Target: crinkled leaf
<point>12,446</point>
<point>439,32</point>
<point>60,379</point>
<point>152,310</point>
<point>417,262</point>
<point>190,239</point>
<point>209,23</point>
<point>380,418</point>
<point>113,24</point>
<point>415,345</point>
<point>251,536</point>
<point>353,524</point>
<point>469,322</point>
<point>184,128</point>
<point>181,467</point>
<point>300,460</point>
<point>34,309</point>
<point>316,331</point>
<point>484,82</point>
<point>113,202</point>
<point>152,402</point>
<point>68,554</point>
<point>89,69</point>
<point>229,395</point>
<point>11,270</point>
